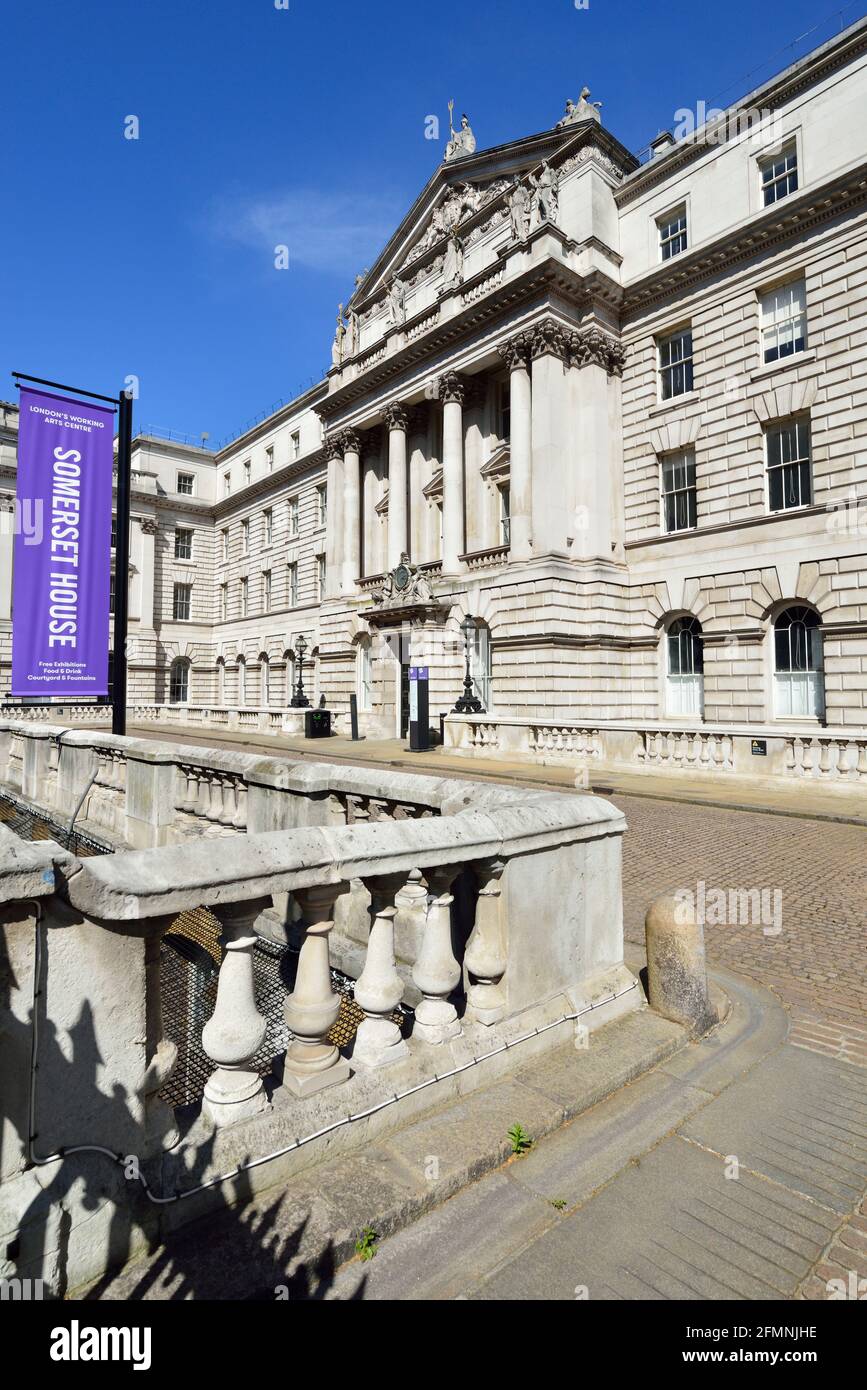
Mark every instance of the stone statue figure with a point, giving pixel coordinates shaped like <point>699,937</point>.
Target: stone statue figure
<point>405,584</point>
<point>354,333</point>
<point>582,110</point>
<point>545,194</point>
<point>337,345</point>
<point>463,141</point>
<point>396,301</point>
<point>518,200</point>
<point>453,266</point>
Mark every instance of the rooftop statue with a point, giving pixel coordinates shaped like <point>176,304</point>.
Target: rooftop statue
<point>337,345</point>
<point>582,110</point>
<point>463,141</point>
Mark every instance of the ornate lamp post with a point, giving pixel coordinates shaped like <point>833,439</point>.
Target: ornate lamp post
<point>468,702</point>
<point>299,699</point>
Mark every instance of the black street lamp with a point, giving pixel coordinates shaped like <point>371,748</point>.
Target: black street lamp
<point>468,702</point>
<point>299,699</point>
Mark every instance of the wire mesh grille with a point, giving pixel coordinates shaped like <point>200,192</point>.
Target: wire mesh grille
<point>31,824</point>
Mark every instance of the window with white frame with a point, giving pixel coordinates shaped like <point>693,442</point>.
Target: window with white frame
<point>245,537</point>
<point>179,681</point>
<point>784,321</point>
<point>504,504</point>
<point>672,233</point>
<point>266,591</point>
<point>295,444</point>
<point>675,364</point>
<point>293,516</point>
<point>292,583</point>
<point>269,458</point>
<point>320,577</point>
<point>480,663</point>
<point>268,526</point>
<point>779,174</point>
<point>321,506</point>
<point>183,543</point>
<point>364,674</point>
<point>799,688</point>
<point>185,484</point>
<point>679,509</point>
<point>182,602</point>
<point>224,602</point>
<point>242,594</point>
<point>684,668</point>
<point>788,456</point>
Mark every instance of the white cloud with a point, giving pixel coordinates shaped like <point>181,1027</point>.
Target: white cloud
<point>332,232</point>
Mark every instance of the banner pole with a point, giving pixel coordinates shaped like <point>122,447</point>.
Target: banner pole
<point>121,567</point>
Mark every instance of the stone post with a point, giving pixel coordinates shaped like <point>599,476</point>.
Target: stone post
<point>676,968</point>
<point>396,423</point>
<point>452,390</point>
<point>485,955</point>
<point>351,510</point>
<point>379,988</point>
<point>236,1030</point>
<point>312,1063</point>
<point>437,972</point>
<point>516,353</point>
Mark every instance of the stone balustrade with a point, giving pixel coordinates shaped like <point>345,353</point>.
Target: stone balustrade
<point>493,557</point>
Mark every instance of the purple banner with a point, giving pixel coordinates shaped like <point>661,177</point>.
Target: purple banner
<point>60,595</point>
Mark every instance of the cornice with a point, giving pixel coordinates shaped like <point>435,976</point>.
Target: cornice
<point>290,471</point>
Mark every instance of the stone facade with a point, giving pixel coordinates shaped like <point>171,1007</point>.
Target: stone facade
<point>556,341</point>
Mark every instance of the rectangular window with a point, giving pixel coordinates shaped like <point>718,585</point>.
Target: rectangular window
<point>247,471</point>
<point>224,602</point>
<point>183,544</point>
<point>678,491</point>
<point>245,537</point>
<point>295,444</point>
<point>788,449</point>
<point>269,458</point>
<point>182,603</point>
<point>784,321</point>
<point>292,576</point>
<point>227,484</point>
<point>268,519</point>
<point>293,516</point>
<point>672,234</point>
<point>224,534</point>
<point>320,577</point>
<point>321,506</point>
<point>185,484</point>
<point>779,174</point>
<point>504,410</point>
<point>675,364</point>
<point>505,514</point>
<point>266,591</point>
<point>242,595</point>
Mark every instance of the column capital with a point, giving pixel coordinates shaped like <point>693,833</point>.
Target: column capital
<point>149,526</point>
<point>350,441</point>
<point>452,388</point>
<point>396,416</point>
<point>334,446</point>
<point>548,338</point>
<point>591,345</point>
<point>516,352</point>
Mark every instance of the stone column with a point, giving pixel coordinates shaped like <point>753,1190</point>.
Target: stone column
<point>396,423</point>
<point>452,390</point>
<point>551,433</point>
<point>334,529</point>
<point>516,353</point>
<point>379,988</point>
<point>236,1030</point>
<point>437,972</point>
<point>485,954</point>
<point>351,559</point>
<point>148,543</point>
<point>312,1063</point>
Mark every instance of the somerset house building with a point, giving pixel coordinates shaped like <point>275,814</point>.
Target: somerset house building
<point>599,423</point>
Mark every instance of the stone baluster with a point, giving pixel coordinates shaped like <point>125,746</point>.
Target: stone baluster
<point>437,972</point>
<point>313,1063</point>
<point>861,770</point>
<point>379,988</point>
<point>236,1030</point>
<point>485,954</point>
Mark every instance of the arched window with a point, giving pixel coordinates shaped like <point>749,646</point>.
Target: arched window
<point>264,680</point>
<point>242,681</point>
<point>480,663</point>
<point>685,668</point>
<point>179,681</point>
<point>364,675</point>
<point>221,681</point>
<point>799,684</point>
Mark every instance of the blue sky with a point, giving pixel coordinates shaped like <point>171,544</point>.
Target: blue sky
<point>302,126</point>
